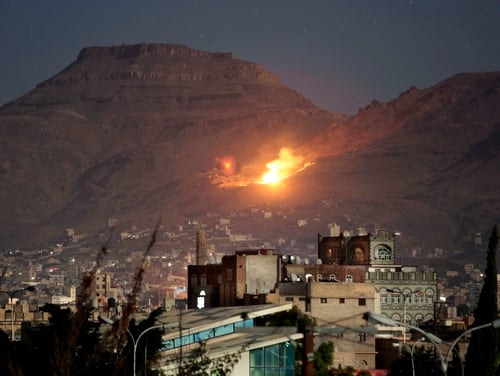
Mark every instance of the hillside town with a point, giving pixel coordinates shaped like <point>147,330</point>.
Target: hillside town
<point>201,266</point>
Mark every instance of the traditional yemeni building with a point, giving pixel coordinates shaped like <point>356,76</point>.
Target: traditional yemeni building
<point>406,295</point>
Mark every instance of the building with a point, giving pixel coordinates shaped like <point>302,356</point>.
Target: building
<point>406,294</point>
<point>338,309</point>
<point>240,279</point>
<point>227,331</point>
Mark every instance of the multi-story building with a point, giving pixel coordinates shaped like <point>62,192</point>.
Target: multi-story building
<point>241,279</point>
<point>406,294</point>
<point>338,310</point>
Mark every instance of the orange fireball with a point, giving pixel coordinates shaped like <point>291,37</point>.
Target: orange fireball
<point>227,165</point>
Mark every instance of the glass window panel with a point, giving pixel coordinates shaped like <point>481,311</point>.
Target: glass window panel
<point>257,372</point>
<point>272,354</point>
<point>289,355</point>
<point>272,371</point>
<point>257,358</point>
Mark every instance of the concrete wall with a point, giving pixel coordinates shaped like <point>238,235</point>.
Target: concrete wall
<point>262,273</point>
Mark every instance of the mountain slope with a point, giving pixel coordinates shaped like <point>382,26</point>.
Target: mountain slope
<point>132,132</point>
<point>137,132</point>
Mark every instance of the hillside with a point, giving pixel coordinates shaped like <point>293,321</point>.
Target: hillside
<point>138,132</point>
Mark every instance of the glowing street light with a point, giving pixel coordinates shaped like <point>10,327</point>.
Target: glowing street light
<point>11,295</point>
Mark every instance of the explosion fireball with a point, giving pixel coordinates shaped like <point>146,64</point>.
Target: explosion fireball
<point>229,174</point>
<point>285,166</point>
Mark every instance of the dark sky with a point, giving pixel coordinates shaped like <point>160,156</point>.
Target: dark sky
<point>339,54</point>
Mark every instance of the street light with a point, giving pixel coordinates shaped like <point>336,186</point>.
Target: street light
<point>384,320</point>
<point>405,301</point>
<point>494,324</point>
<point>380,319</point>
<point>135,342</point>
<point>411,354</point>
<point>11,295</point>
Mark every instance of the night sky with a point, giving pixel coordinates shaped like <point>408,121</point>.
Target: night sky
<point>339,54</point>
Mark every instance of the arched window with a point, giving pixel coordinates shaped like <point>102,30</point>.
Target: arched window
<point>383,253</point>
<point>359,255</point>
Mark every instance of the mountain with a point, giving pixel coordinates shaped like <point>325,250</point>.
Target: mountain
<point>135,132</point>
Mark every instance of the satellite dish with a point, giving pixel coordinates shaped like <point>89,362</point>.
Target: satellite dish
<point>306,261</point>
<point>284,258</point>
<point>319,262</point>
<point>298,260</point>
<point>293,260</point>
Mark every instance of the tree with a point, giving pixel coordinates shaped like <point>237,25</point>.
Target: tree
<point>425,362</point>
<point>323,359</point>
<point>198,363</point>
<point>483,356</point>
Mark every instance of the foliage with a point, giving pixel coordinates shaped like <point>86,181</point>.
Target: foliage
<point>72,345</point>
<point>340,371</point>
<point>199,364</point>
<point>292,317</point>
<point>425,361</point>
<point>481,359</point>
<point>364,373</point>
<point>323,358</point>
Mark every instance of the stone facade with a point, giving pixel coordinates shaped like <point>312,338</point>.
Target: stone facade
<point>406,295</point>
<point>338,309</point>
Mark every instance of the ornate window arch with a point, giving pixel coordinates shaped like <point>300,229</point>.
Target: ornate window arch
<point>383,252</point>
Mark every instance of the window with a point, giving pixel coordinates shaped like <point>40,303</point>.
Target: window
<point>341,300</point>
<point>275,360</point>
<point>362,337</point>
<point>323,300</point>
<point>289,299</point>
<point>362,301</point>
<point>219,279</point>
<point>229,274</point>
<point>193,280</point>
<point>319,277</point>
<point>383,254</point>
<point>348,278</point>
<point>383,299</point>
<point>203,280</point>
<point>332,277</point>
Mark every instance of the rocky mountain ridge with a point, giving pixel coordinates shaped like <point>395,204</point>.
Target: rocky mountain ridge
<point>133,132</point>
